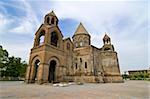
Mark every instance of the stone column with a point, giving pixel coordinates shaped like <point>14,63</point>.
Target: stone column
<point>27,76</point>
<point>58,73</point>
<point>31,74</point>
<point>45,73</point>
<point>47,37</point>
<point>40,73</point>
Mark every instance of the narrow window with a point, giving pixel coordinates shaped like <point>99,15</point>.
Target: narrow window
<point>81,60</point>
<point>107,41</point>
<point>47,20</point>
<point>52,21</point>
<point>85,64</point>
<point>76,66</point>
<point>68,46</point>
<point>81,43</point>
<point>54,38</point>
<point>76,45</point>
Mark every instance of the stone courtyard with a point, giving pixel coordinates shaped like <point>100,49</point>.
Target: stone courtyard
<point>127,90</point>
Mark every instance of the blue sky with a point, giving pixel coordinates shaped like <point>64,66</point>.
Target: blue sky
<point>125,21</point>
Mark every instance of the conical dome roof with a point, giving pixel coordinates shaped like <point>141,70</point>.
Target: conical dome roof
<point>51,13</point>
<point>106,37</point>
<point>81,30</point>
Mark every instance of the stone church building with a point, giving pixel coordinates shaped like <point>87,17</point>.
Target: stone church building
<point>55,59</point>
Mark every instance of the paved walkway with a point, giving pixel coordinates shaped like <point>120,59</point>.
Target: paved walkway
<point>127,90</point>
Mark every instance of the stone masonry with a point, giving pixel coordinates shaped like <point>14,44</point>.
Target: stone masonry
<point>54,59</point>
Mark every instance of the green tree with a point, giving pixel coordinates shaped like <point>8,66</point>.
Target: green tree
<point>11,66</point>
<point>3,60</point>
<point>22,69</point>
<point>3,57</point>
<point>15,68</point>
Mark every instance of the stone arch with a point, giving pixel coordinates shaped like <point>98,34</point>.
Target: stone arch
<point>35,63</point>
<point>81,43</point>
<point>53,68</point>
<point>52,20</point>
<point>41,38</point>
<point>54,38</point>
<point>80,38</point>
<point>47,20</point>
<point>76,44</point>
<point>68,46</point>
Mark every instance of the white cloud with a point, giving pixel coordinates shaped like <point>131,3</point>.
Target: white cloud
<point>18,49</point>
<point>18,24</point>
<point>25,27</point>
<point>130,39</point>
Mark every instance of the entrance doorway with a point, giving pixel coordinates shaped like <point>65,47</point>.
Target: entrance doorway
<point>36,66</point>
<point>52,68</point>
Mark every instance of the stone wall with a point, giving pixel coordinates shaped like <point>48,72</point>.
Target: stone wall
<point>82,57</point>
<point>110,66</point>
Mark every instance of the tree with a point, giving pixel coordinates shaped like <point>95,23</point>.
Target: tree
<point>11,66</point>
<point>3,60</point>
<point>3,57</point>
<point>15,68</point>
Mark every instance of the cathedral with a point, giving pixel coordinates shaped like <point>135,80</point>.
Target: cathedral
<point>57,59</point>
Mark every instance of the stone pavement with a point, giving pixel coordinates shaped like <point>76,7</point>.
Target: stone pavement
<point>127,90</point>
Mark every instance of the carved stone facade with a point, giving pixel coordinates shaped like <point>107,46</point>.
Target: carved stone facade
<point>54,59</point>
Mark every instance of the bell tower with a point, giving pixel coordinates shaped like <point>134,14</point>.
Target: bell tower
<point>48,42</point>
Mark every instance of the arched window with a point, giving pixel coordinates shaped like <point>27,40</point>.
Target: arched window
<point>68,46</point>
<point>52,21</point>
<point>56,22</point>
<point>76,66</point>
<point>54,38</point>
<point>107,41</point>
<point>81,43</point>
<point>41,38</point>
<point>85,64</point>
<point>81,60</point>
<point>47,20</point>
<point>76,45</point>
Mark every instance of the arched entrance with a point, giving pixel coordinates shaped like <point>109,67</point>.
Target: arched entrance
<point>52,68</point>
<point>36,66</point>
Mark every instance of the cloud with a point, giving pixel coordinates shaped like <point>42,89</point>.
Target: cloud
<point>13,23</point>
<point>23,28</point>
<point>126,22</point>
<point>18,49</point>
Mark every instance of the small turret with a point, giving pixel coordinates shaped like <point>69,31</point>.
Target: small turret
<point>106,39</point>
<point>51,19</point>
<point>107,44</point>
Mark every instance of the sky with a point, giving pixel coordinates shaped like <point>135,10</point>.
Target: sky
<point>125,21</point>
